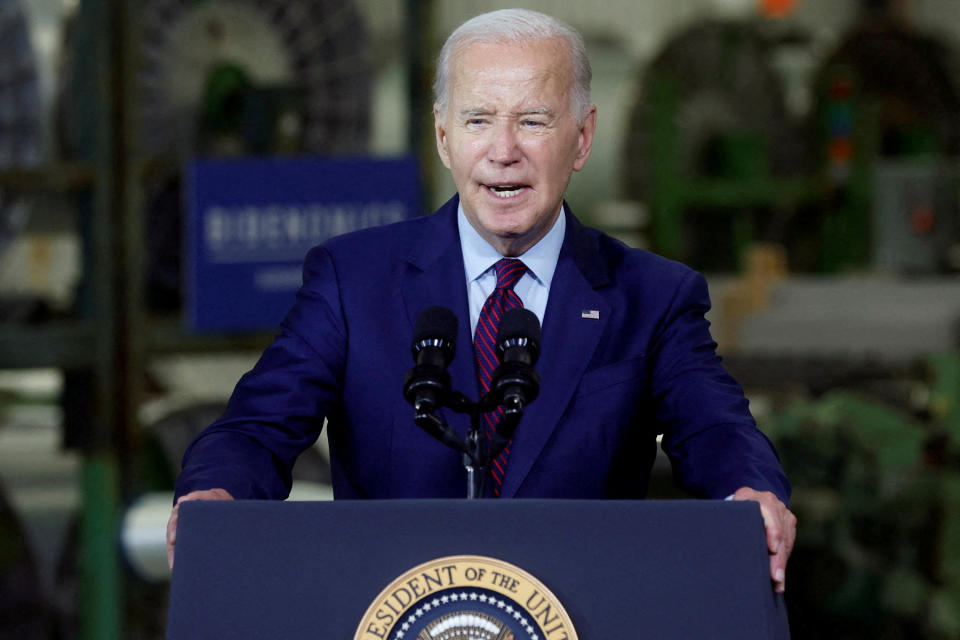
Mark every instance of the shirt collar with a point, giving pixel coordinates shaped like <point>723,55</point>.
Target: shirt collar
<point>540,259</point>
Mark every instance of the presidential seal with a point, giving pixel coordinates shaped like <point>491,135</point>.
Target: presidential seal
<point>465,598</point>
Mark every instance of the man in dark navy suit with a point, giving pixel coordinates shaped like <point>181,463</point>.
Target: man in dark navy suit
<point>626,351</point>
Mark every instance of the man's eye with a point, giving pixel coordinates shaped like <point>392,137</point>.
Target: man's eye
<point>532,123</point>
<point>476,121</point>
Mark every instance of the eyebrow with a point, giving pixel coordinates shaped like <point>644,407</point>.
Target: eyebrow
<point>467,113</point>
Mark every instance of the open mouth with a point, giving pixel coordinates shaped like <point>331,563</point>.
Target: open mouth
<point>505,190</point>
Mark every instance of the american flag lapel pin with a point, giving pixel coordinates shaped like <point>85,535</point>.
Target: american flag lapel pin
<point>590,314</point>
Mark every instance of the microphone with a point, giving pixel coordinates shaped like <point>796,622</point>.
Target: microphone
<point>515,382</point>
<point>434,344</point>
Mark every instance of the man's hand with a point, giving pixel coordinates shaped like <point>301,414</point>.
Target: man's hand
<point>781,527</point>
<point>209,494</point>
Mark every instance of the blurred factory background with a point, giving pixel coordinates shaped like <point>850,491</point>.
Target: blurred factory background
<point>805,154</point>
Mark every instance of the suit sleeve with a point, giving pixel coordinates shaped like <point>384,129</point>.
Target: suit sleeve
<point>277,409</point>
<point>710,437</point>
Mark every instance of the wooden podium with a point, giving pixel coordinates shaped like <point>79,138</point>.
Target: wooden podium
<point>619,569</point>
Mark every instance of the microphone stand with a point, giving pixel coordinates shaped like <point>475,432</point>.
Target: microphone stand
<point>478,451</point>
<point>475,456</point>
<point>474,464</point>
<point>515,383</point>
<point>485,450</point>
<point>475,460</point>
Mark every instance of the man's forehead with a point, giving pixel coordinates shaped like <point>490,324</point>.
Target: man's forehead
<point>528,86</point>
<point>554,51</point>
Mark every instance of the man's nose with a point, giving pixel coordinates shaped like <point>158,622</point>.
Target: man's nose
<point>504,147</point>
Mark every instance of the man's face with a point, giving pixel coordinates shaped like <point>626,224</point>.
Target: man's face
<point>510,138</point>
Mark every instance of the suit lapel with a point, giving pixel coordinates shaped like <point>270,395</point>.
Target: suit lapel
<point>437,278</point>
<point>568,342</point>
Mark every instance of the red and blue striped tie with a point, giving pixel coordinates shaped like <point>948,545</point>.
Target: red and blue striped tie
<point>509,271</point>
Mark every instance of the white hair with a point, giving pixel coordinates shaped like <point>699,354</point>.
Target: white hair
<point>513,26</point>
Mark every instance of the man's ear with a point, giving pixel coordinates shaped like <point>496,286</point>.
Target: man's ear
<point>439,127</point>
<point>585,140</point>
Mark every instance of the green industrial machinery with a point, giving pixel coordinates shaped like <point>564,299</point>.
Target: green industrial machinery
<point>721,163</point>
<point>877,495</point>
<point>711,147</point>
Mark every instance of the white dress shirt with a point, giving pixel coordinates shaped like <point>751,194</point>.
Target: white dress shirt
<point>479,256</point>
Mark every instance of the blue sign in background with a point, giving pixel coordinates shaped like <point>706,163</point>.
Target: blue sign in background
<point>250,223</point>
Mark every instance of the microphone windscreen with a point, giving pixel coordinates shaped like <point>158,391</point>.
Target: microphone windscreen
<point>434,323</point>
<point>519,323</point>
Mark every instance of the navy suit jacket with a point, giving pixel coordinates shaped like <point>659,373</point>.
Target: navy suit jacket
<point>646,365</point>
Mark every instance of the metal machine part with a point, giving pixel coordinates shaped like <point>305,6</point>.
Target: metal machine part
<point>20,126</point>
<point>723,82</point>
<point>914,217</point>
<point>712,150</point>
<point>199,57</point>
<point>231,77</point>
<point>889,105</point>
<point>913,78</point>
<point>20,133</point>
<point>314,47</point>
